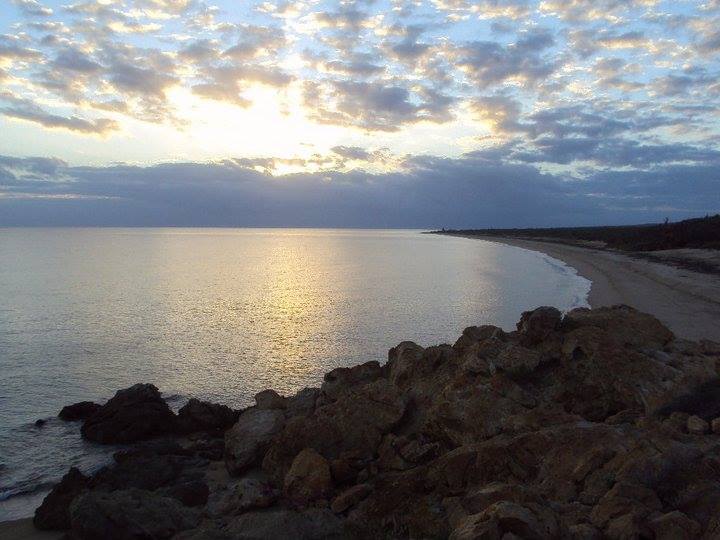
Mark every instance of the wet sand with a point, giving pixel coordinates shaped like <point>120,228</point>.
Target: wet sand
<point>688,302</point>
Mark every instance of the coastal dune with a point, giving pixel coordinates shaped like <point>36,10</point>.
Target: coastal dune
<point>593,424</point>
<point>688,302</point>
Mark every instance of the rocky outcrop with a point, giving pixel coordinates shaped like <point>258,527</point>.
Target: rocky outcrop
<point>247,441</point>
<point>54,512</point>
<point>595,424</point>
<point>79,411</point>
<point>198,415</point>
<point>133,414</point>
<point>129,514</point>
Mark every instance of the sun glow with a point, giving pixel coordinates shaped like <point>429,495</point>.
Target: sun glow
<point>274,125</point>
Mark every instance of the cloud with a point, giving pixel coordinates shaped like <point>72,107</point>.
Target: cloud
<point>32,113</point>
<point>488,63</point>
<point>375,106</point>
<point>476,190</point>
<point>33,8</point>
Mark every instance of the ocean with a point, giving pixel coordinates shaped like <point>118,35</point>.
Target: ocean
<point>220,314</point>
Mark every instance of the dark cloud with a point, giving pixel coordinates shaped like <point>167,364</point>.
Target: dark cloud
<point>488,63</point>
<point>375,105</point>
<point>478,189</point>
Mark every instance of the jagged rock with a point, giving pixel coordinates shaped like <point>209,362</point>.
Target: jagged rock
<point>79,411</point>
<point>247,441</point>
<point>530,522</point>
<point>192,493</point>
<point>476,334</point>
<point>198,415</point>
<point>537,325</point>
<point>715,425</point>
<point>249,494</point>
<point>674,526</point>
<point>697,425</point>
<point>54,512</point>
<point>350,497</point>
<point>340,380</point>
<point>282,524</point>
<point>270,399</point>
<point>573,427</point>
<point>133,414</point>
<point>303,403</point>
<point>356,421</point>
<point>309,478</point>
<point>128,514</point>
<point>403,361</point>
<point>622,324</point>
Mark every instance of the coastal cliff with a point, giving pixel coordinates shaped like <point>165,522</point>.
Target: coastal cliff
<point>595,424</point>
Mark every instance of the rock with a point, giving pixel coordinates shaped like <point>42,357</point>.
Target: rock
<point>303,403</point>
<point>249,494</point>
<point>350,497</point>
<point>54,512</point>
<point>625,325</point>
<point>675,526</point>
<point>270,399</point>
<point>340,380</point>
<point>282,524</point>
<point>403,361</point>
<point>697,425</point>
<point>40,422</point>
<point>247,441</point>
<point>536,325</point>
<point>573,427</point>
<point>715,425</point>
<point>128,514</point>
<point>475,334</point>
<point>309,478</point>
<point>133,414</point>
<point>530,522</point>
<point>79,411</point>
<point>193,493</point>
<point>624,502</point>
<point>355,422</point>
<point>198,415</point>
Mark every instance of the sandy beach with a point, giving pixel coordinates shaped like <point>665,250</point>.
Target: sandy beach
<point>687,302</point>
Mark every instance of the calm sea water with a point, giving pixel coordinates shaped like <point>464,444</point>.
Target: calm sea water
<point>221,314</point>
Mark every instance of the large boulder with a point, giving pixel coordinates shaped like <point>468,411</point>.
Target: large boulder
<point>54,512</point>
<point>198,415</point>
<point>623,324</point>
<point>270,399</point>
<point>247,441</point>
<point>129,515</point>
<point>79,411</point>
<point>133,414</point>
<point>537,325</point>
<point>309,478</point>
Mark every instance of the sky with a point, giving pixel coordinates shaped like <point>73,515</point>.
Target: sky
<point>358,113</point>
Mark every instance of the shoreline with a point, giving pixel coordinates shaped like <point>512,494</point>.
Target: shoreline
<point>688,302</point>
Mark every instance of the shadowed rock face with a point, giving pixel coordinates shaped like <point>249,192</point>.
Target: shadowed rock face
<point>596,424</point>
<point>79,411</point>
<point>133,414</point>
